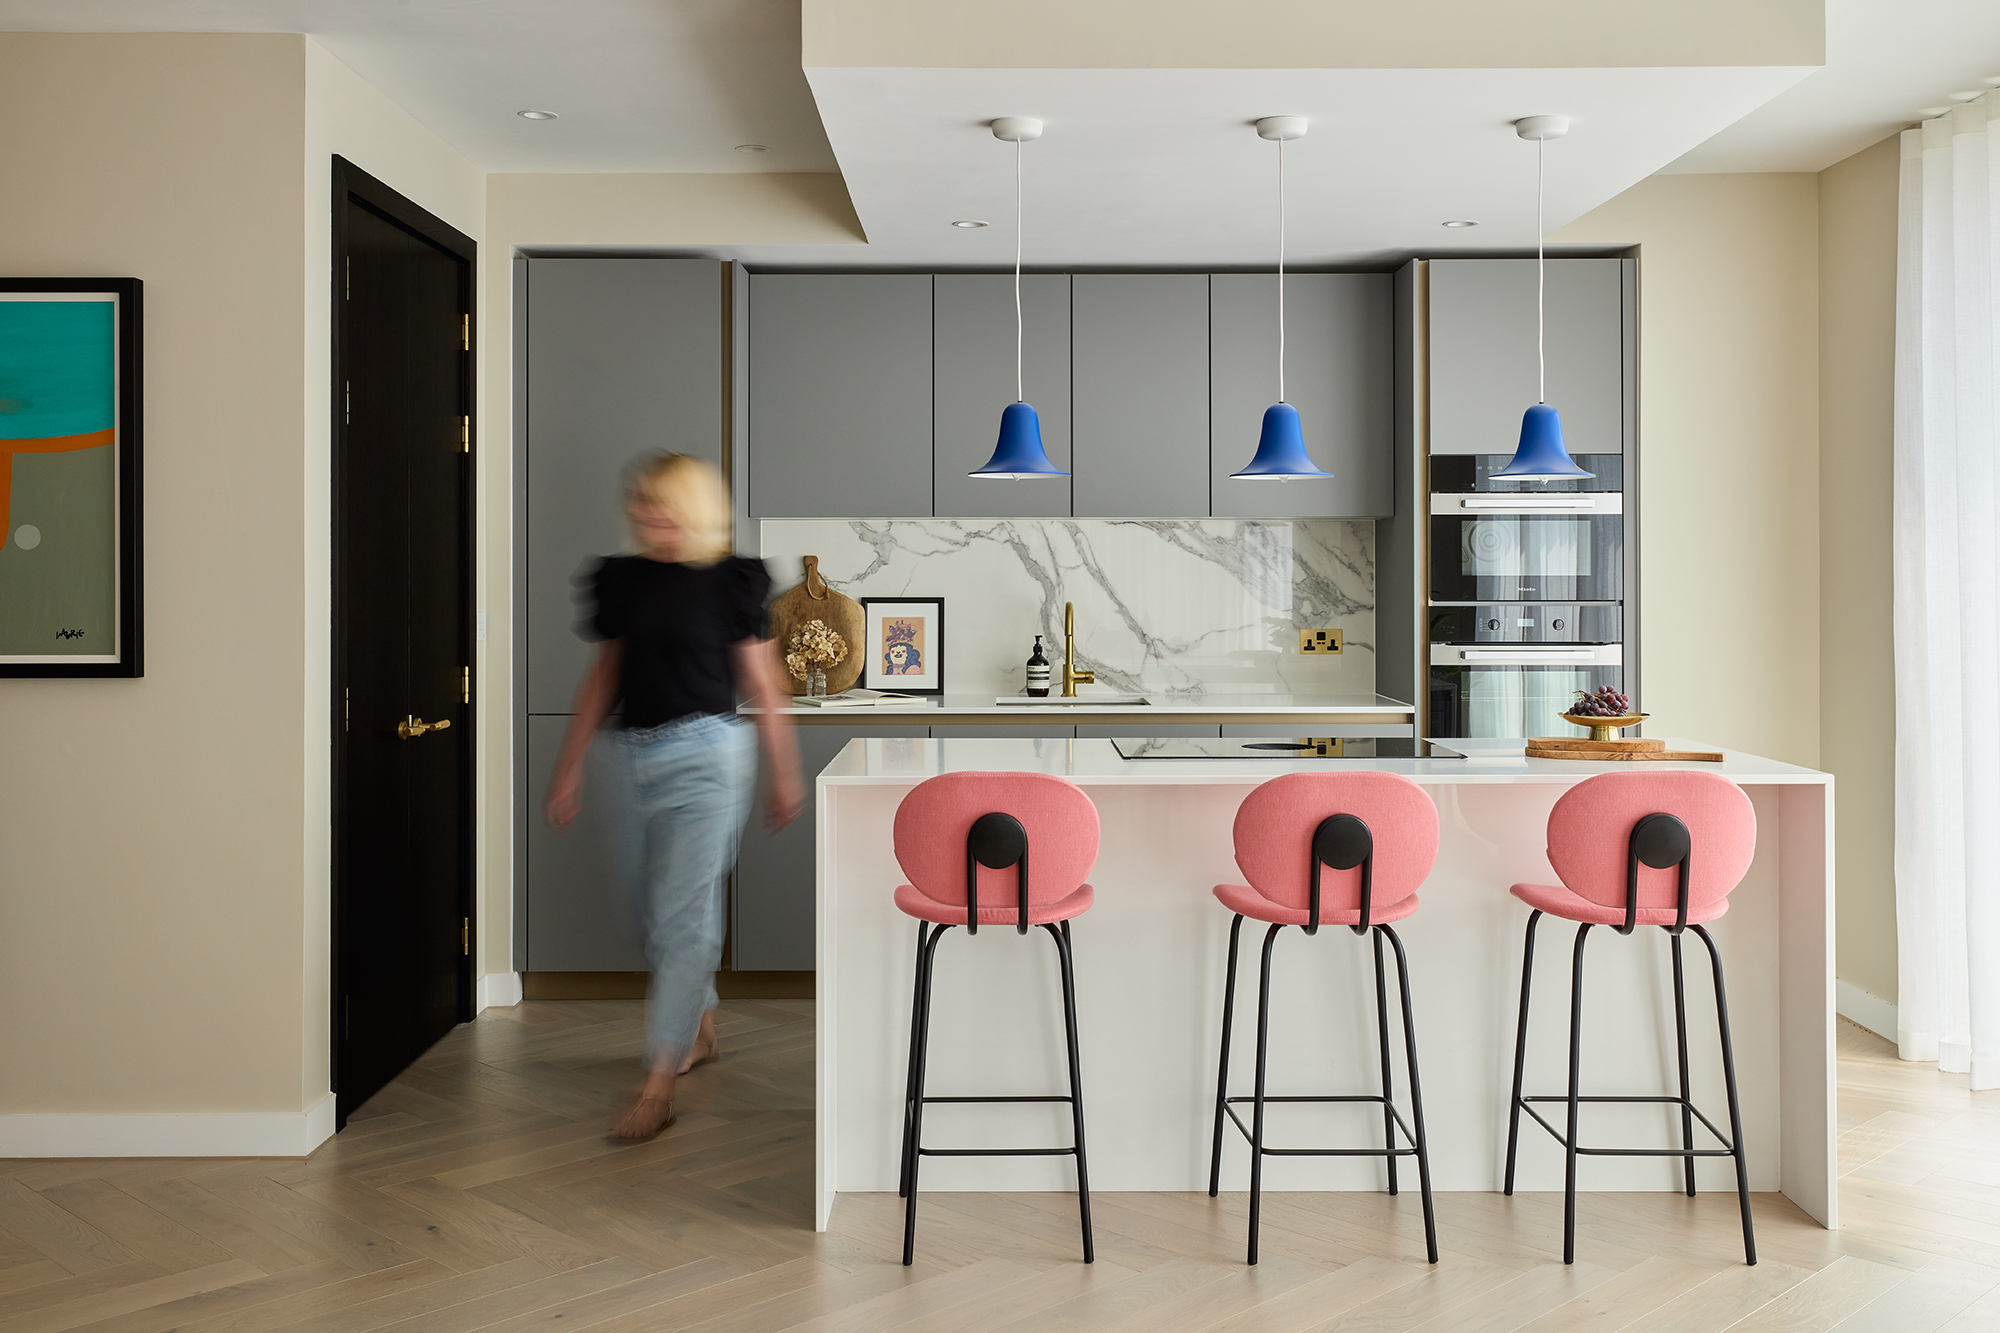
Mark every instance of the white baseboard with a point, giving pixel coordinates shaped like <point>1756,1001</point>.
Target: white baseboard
<point>499,988</point>
<point>1872,1012</point>
<point>216,1134</point>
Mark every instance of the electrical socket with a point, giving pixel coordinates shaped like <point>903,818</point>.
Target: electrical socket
<point>1319,641</point>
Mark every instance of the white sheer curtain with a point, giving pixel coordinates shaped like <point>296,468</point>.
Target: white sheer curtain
<point>1947,593</point>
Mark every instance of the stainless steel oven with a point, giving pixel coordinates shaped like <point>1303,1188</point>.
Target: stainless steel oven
<point>1566,547</point>
<point>1516,689</point>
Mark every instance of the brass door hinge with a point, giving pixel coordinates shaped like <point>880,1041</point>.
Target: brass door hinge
<point>346,711</point>
<point>465,685</point>
<point>465,332</point>
<point>465,435</point>
<point>349,292</point>
<point>347,402</point>
<point>465,937</point>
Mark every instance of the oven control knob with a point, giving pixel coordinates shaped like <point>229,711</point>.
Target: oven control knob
<point>1555,624</point>
<point>1493,624</point>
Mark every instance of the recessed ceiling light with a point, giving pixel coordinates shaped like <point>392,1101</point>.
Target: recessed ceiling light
<point>968,224</point>
<point>753,148</point>
<point>537,115</point>
<point>1968,95</point>
<point>1461,222</point>
<point>1929,111</point>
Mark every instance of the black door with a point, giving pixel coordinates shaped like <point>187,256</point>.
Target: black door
<point>402,908</point>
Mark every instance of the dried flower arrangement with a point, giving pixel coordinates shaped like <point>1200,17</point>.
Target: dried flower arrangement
<point>814,647</point>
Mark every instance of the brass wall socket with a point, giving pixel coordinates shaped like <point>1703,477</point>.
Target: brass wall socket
<point>1319,641</point>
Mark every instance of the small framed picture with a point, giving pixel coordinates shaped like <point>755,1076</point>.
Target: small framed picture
<point>905,644</point>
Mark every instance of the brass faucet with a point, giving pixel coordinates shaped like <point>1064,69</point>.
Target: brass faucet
<point>1071,677</point>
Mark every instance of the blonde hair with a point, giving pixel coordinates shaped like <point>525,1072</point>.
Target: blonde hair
<point>690,489</point>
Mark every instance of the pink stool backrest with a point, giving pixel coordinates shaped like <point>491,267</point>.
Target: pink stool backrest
<point>935,819</point>
<point>1591,826</point>
<point>1275,827</point>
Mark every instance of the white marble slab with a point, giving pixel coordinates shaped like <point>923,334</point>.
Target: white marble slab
<point>1184,607</point>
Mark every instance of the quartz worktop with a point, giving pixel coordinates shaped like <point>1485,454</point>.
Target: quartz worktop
<point>1159,709</point>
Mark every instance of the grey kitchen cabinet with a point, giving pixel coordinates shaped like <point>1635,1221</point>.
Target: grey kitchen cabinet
<point>1032,731</point>
<point>577,918</point>
<point>623,356</point>
<point>1139,364</point>
<point>840,395</point>
<point>1141,727</point>
<point>771,929</point>
<point>974,350</point>
<point>1340,375</point>
<point>1482,353</point>
<point>1281,728</point>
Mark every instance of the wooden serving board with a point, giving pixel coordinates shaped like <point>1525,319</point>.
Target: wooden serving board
<point>814,600</point>
<point>1562,752</point>
<point>1599,747</point>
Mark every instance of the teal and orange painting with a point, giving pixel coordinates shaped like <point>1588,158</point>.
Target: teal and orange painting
<point>58,478</point>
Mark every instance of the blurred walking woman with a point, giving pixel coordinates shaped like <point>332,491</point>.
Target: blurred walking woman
<point>682,631</point>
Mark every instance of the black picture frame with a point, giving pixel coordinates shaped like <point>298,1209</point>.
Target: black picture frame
<point>127,660</point>
<point>874,679</point>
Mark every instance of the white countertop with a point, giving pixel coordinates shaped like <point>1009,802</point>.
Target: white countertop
<point>1094,762</point>
<point>1162,707</point>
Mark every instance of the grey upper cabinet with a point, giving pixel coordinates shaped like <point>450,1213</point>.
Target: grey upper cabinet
<point>974,340</point>
<point>840,395</point>
<point>1339,374</point>
<point>1139,365</point>
<point>623,356</point>
<point>1482,353</point>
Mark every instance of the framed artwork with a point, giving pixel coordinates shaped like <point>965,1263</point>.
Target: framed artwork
<point>69,477</point>
<point>905,637</point>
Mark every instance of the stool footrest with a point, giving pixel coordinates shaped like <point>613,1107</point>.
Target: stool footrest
<point>997,1152</point>
<point>1727,1151</point>
<point>968,1101</point>
<point>1229,1105</point>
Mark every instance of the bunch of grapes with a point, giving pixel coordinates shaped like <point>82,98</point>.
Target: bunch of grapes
<point>1606,702</point>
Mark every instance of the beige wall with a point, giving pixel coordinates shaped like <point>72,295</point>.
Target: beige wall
<point>1729,445</point>
<point>152,830</point>
<point>1857,356</point>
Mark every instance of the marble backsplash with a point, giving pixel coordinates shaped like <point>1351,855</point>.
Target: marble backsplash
<point>1181,606</point>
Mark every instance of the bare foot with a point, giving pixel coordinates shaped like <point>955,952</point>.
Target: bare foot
<point>653,1112</point>
<point>707,1047</point>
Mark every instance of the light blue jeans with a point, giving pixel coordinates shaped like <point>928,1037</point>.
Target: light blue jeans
<point>681,795</point>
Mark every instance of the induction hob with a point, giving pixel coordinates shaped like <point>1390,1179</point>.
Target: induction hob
<point>1280,747</point>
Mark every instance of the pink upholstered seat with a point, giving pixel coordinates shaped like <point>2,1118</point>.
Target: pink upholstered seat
<point>1590,829</point>
<point>932,825</point>
<point>1274,836</point>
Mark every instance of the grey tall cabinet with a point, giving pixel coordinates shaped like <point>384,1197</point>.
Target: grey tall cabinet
<point>618,357</point>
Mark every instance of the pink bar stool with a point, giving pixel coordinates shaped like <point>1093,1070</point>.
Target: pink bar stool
<point>1641,849</point>
<point>956,836</point>
<point>1288,832</point>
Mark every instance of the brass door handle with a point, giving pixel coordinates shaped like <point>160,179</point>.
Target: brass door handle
<point>411,727</point>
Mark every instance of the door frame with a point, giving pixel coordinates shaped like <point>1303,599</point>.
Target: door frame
<point>353,185</point>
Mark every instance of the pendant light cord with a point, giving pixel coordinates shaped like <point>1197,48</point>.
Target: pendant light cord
<point>1541,274</point>
<point>1281,270</point>
<point>1019,395</point>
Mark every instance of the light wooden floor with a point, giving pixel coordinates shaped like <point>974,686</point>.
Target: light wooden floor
<point>477,1192</point>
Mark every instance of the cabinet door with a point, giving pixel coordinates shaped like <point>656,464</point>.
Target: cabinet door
<point>1139,364</point>
<point>776,874</point>
<point>623,356</point>
<point>1483,365</point>
<point>1339,374</point>
<point>577,917</point>
<point>974,323</point>
<point>840,395</point>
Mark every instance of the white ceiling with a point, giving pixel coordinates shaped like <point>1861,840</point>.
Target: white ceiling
<point>641,85</point>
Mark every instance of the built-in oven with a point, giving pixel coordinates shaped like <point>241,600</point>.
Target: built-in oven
<point>1500,689</point>
<point>1504,547</point>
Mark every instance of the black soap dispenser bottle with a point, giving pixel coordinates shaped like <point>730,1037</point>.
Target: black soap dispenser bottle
<point>1038,672</point>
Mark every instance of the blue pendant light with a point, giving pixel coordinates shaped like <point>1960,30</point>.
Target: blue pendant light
<point>1018,454</point>
<point>1281,446</point>
<point>1540,456</point>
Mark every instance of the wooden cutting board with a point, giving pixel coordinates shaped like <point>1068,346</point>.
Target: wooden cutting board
<point>1538,751</point>
<point>1597,747</point>
<point>814,600</point>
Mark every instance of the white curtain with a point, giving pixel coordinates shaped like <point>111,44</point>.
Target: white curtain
<point>1947,593</point>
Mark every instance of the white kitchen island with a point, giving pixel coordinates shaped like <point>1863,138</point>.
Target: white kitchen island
<point>1150,959</point>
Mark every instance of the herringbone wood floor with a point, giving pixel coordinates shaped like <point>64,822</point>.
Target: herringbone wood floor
<point>478,1192</point>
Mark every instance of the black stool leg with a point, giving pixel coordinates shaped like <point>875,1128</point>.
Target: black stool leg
<point>1575,1074</point>
<point>1061,938</point>
<point>1681,1024</point>
<point>1257,1121</point>
<point>1735,1115</point>
<point>925,964</point>
<point>910,1083</point>
<point>1222,1075</point>
<point>1520,1050</point>
<point>1416,1089</point>
<point>1388,1090</point>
